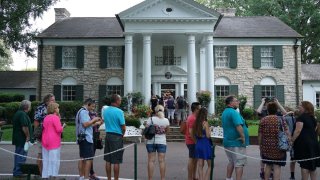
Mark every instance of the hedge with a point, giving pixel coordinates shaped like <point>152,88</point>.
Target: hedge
<point>11,97</point>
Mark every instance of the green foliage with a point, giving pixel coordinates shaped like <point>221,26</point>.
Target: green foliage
<point>243,102</point>
<point>142,111</point>
<point>132,120</point>
<point>213,121</point>
<point>11,97</point>
<point>137,98</point>
<point>317,114</point>
<point>10,109</point>
<point>204,98</point>
<point>5,61</point>
<point>302,15</point>
<point>15,26</point>
<point>220,105</point>
<point>248,113</point>
<point>68,110</point>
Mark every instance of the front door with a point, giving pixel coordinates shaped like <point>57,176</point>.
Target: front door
<point>168,89</point>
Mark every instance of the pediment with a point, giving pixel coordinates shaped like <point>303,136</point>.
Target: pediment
<point>174,70</point>
<point>168,9</point>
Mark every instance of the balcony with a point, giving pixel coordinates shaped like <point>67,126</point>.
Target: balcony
<point>164,61</point>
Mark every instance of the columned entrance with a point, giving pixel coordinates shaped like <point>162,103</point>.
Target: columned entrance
<point>169,89</point>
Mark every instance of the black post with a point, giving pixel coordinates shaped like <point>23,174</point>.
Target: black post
<point>135,161</point>
<point>212,161</point>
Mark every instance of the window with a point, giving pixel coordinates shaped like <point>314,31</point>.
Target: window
<point>222,91</point>
<point>267,57</point>
<point>168,55</point>
<point>318,99</point>
<point>222,57</point>
<point>185,87</point>
<point>68,93</point>
<point>115,57</point>
<point>268,91</point>
<point>69,57</point>
<point>115,89</point>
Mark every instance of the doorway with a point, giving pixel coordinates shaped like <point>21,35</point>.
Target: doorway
<point>168,89</point>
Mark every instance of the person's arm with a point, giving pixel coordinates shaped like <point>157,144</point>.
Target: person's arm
<point>192,135</point>
<point>297,131</point>
<point>259,110</point>
<point>241,133</point>
<point>123,128</point>
<point>283,111</point>
<point>94,122</point>
<point>207,129</point>
<point>25,130</point>
<point>57,125</point>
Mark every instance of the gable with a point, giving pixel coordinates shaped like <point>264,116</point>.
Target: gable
<point>168,9</point>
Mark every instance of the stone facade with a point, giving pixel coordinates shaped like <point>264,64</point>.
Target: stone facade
<point>91,76</point>
<point>245,76</point>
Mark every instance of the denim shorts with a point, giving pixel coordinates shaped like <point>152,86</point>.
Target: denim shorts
<point>160,148</point>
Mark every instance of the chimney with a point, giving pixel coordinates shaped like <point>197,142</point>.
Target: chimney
<point>227,11</point>
<point>61,13</point>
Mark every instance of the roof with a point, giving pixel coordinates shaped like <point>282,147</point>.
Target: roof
<point>310,72</point>
<point>84,27</point>
<point>254,27</point>
<point>18,79</point>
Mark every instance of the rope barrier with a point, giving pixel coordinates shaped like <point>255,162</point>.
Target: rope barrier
<point>259,159</point>
<point>69,160</point>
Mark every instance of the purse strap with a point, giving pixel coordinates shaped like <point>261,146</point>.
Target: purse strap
<point>280,120</point>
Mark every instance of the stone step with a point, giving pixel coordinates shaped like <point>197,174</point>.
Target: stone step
<point>175,140</point>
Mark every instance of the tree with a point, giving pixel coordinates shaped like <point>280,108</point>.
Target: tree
<point>302,15</point>
<point>5,61</point>
<point>15,24</point>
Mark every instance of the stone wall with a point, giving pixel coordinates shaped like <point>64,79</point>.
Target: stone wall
<point>245,76</point>
<point>91,76</point>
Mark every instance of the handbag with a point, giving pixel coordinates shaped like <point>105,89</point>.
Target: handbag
<point>183,127</point>
<point>150,131</point>
<point>283,143</point>
<point>99,144</point>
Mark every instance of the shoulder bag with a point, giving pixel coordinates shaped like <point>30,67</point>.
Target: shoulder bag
<point>283,144</point>
<point>150,131</point>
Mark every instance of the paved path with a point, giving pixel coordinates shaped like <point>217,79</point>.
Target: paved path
<point>176,161</point>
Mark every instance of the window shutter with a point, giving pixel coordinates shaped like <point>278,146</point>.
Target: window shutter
<point>80,56</point>
<point>102,94</point>
<point>278,56</point>
<point>123,56</point>
<point>58,57</point>
<point>256,96</point>
<point>122,91</point>
<point>256,57</point>
<point>79,92</point>
<point>280,94</point>
<point>233,57</point>
<point>214,57</point>
<point>233,90</point>
<point>57,92</point>
<point>103,51</point>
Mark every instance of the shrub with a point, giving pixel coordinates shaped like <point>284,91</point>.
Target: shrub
<point>220,105</point>
<point>68,110</point>
<point>132,120</point>
<point>248,113</point>
<point>214,121</point>
<point>317,114</point>
<point>10,109</point>
<point>243,102</point>
<point>11,97</point>
<point>142,111</point>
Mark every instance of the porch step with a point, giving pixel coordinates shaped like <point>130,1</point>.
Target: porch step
<point>174,135</point>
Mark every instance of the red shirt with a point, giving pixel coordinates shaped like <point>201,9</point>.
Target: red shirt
<point>190,122</point>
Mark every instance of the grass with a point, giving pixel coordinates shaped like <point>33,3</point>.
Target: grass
<point>253,130</point>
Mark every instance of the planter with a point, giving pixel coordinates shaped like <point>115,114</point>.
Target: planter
<point>253,140</point>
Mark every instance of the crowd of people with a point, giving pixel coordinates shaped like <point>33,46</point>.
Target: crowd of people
<point>299,126</point>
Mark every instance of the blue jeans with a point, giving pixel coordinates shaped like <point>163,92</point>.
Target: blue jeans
<point>19,159</point>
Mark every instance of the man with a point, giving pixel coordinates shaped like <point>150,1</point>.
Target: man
<point>235,137</point>
<point>84,132</point>
<point>181,109</point>
<point>39,116</point>
<point>20,135</point>
<point>115,128</point>
<point>192,162</point>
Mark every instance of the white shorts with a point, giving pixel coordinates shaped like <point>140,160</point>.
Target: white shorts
<point>237,159</point>
<point>50,162</point>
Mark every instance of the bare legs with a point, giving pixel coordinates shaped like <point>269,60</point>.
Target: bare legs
<point>116,170</point>
<point>305,174</point>
<point>204,175</point>
<point>239,171</point>
<point>192,168</point>
<point>276,172</point>
<point>162,164</point>
<point>84,168</point>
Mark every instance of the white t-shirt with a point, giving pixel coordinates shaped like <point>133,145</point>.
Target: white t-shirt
<point>161,125</point>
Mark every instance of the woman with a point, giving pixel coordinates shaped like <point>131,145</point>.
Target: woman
<point>201,135</point>
<point>305,141</point>
<point>269,129</point>
<point>158,143</point>
<point>51,142</point>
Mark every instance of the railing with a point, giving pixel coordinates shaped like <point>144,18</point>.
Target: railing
<point>162,61</point>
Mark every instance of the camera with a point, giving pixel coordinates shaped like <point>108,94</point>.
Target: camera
<point>269,99</point>
<point>81,137</point>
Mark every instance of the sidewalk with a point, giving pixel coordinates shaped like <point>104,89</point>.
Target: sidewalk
<point>176,162</point>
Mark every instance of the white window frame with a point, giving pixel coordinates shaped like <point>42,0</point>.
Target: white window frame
<point>268,87</point>
<point>115,57</point>
<point>222,56</point>
<point>267,57</point>
<point>69,57</point>
<point>168,55</point>
<point>222,89</point>
<point>114,86</point>
<point>69,83</point>
<point>222,82</point>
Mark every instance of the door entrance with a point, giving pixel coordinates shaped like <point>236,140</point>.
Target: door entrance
<point>168,89</point>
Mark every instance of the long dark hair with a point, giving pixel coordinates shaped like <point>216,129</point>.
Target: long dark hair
<point>202,116</point>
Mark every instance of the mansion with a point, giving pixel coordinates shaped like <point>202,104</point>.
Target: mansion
<point>170,45</point>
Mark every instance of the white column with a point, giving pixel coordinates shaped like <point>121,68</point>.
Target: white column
<point>155,88</point>
<point>210,72</point>
<point>191,69</point>
<point>128,65</point>
<point>203,69</point>
<point>181,85</point>
<point>146,68</point>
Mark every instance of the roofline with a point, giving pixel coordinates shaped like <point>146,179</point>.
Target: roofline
<point>44,37</point>
<point>120,22</point>
<point>258,37</point>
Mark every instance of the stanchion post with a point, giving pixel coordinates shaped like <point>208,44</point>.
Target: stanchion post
<point>135,161</point>
<point>212,161</point>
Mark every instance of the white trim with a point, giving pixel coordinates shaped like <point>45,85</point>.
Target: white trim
<point>268,81</point>
<point>84,42</point>
<point>254,41</point>
<point>69,81</point>
<point>222,81</point>
<point>114,81</point>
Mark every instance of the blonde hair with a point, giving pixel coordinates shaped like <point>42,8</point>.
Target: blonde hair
<point>52,107</point>
<point>159,109</point>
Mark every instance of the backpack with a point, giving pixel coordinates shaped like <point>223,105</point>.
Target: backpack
<point>150,131</point>
<point>181,103</point>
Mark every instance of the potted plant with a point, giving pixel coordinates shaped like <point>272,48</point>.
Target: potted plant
<point>204,98</point>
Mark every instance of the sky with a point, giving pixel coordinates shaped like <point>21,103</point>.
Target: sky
<point>77,8</point>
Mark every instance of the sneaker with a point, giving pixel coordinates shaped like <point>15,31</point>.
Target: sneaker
<point>262,175</point>
<point>93,177</point>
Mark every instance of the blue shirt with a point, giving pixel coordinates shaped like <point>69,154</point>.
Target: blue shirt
<point>113,119</point>
<point>230,120</point>
<point>84,117</point>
